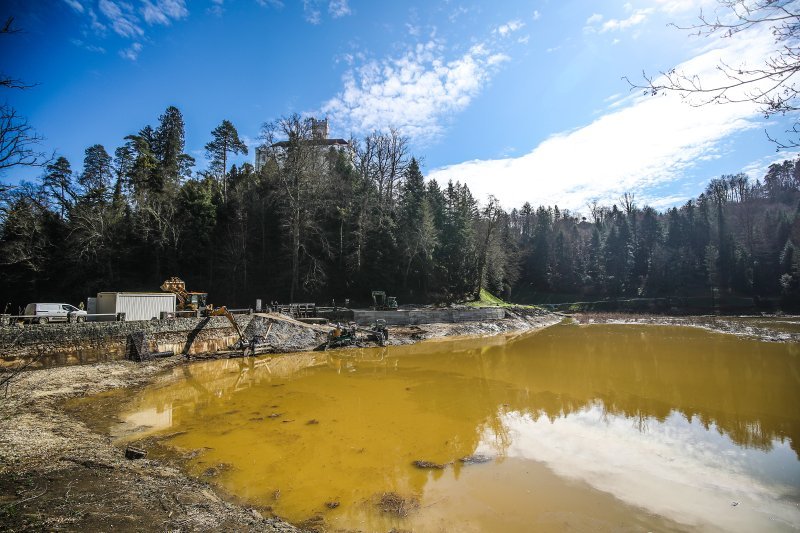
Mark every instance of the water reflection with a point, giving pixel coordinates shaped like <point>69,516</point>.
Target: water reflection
<point>657,427</point>
<point>673,468</point>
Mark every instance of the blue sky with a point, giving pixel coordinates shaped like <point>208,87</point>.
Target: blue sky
<point>520,99</point>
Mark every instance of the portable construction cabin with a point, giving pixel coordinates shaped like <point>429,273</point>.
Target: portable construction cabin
<point>135,305</point>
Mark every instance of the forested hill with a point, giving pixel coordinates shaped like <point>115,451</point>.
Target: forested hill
<point>316,222</point>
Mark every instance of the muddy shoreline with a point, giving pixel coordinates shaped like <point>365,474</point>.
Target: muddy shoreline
<point>771,328</point>
<point>58,474</point>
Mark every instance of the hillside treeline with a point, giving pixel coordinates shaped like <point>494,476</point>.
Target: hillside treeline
<point>317,222</point>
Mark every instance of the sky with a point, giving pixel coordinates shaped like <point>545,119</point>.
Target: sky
<point>524,100</point>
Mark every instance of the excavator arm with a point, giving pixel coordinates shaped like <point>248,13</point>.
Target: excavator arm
<point>223,311</point>
<point>178,287</point>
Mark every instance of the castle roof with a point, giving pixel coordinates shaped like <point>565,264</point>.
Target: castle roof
<point>313,142</point>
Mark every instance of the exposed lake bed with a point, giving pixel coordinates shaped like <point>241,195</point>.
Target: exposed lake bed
<point>588,428</point>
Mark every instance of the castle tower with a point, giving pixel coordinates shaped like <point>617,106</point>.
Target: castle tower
<point>319,128</point>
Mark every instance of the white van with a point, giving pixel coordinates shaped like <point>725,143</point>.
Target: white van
<point>45,313</point>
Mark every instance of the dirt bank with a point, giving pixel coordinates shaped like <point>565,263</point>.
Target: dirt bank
<point>769,328</point>
<point>57,474</point>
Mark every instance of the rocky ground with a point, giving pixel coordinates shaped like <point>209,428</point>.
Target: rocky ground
<point>58,475</point>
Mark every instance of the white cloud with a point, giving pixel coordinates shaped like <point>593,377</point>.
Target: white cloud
<point>128,20</point>
<point>338,8</point>
<point>217,8</point>
<point>98,27</point>
<point>596,17</point>
<point>132,52</point>
<point>647,141</point>
<point>509,27</point>
<point>164,11</point>
<point>681,6</point>
<point>457,12</point>
<point>311,11</point>
<point>638,16</point>
<point>123,21</point>
<point>75,4</point>
<point>756,170</point>
<point>90,47</point>
<point>414,92</point>
<point>536,14</point>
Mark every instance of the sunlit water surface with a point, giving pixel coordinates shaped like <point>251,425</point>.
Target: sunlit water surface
<point>588,428</point>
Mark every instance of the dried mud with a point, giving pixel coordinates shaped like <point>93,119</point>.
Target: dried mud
<point>772,328</point>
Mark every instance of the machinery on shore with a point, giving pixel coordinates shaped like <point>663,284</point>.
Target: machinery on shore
<point>381,302</point>
<point>187,301</point>
<point>198,302</point>
<point>341,336</point>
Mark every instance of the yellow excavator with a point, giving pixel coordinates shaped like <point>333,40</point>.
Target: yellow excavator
<point>187,301</point>
<point>197,301</point>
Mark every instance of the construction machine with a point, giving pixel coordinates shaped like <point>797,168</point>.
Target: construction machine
<point>198,301</point>
<point>187,301</point>
<point>223,311</point>
<point>342,335</point>
<point>381,302</point>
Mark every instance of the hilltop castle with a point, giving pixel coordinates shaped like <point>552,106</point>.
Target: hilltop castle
<point>319,139</point>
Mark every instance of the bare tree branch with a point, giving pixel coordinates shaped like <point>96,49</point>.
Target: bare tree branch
<point>771,85</point>
<point>17,138</point>
<point>18,141</point>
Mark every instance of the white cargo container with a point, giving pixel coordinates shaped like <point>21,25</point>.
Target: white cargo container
<point>135,305</point>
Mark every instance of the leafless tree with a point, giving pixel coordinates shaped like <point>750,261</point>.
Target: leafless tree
<point>383,158</point>
<point>597,211</point>
<point>628,201</point>
<point>770,84</point>
<point>300,169</point>
<point>18,140</point>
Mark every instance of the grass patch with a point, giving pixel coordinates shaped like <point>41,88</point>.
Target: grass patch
<point>487,299</point>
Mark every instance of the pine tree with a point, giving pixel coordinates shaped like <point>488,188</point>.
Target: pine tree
<point>225,141</point>
<point>58,181</point>
<point>168,145</point>
<point>97,174</point>
<point>416,228</point>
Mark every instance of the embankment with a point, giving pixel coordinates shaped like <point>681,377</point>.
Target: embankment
<point>44,346</point>
<point>50,345</point>
<point>406,317</point>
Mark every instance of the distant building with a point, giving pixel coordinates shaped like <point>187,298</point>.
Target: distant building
<point>319,138</point>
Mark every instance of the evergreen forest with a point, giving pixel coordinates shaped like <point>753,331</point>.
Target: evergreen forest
<point>317,223</point>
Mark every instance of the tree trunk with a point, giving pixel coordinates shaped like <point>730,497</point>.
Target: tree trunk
<point>224,179</point>
<point>295,253</point>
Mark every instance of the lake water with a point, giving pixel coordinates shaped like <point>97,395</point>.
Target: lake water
<point>587,428</point>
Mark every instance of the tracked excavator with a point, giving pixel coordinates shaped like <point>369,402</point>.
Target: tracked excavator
<point>197,301</point>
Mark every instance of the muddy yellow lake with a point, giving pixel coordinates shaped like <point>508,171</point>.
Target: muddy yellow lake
<point>587,428</point>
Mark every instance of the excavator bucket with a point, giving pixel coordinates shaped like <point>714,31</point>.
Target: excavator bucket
<point>176,285</point>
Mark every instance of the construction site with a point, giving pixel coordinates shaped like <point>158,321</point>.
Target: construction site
<point>141,326</point>
<point>72,476</point>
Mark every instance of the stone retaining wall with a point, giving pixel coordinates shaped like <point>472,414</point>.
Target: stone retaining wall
<point>90,342</point>
<point>404,317</point>
<point>49,345</point>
